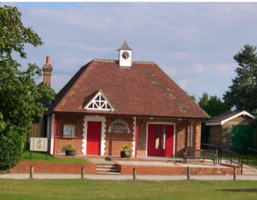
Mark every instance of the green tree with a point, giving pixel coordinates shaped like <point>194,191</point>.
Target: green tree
<point>214,107</point>
<point>242,94</point>
<point>19,94</point>
<point>192,97</point>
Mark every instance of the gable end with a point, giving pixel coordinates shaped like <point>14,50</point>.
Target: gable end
<point>99,102</point>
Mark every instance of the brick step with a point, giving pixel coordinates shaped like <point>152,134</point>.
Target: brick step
<point>109,173</point>
<point>106,168</point>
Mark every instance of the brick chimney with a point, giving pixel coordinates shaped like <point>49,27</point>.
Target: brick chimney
<point>47,69</point>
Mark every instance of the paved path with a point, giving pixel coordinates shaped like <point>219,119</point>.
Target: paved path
<point>126,177</point>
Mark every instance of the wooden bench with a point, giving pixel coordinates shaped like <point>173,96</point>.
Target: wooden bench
<point>201,154</point>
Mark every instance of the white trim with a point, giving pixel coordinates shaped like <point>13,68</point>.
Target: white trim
<point>48,132</point>
<point>84,140</point>
<point>164,123</point>
<point>244,113</point>
<point>52,134</point>
<point>48,126</point>
<point>99,105</point>
<point>134,137</point>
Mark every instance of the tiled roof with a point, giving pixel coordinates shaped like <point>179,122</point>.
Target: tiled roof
<point>143,90</point>
<point>220,120</point>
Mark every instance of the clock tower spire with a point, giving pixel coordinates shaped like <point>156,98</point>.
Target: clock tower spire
<point>125,56</point>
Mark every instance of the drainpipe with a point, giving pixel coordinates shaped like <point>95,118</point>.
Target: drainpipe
<point>136,137</point>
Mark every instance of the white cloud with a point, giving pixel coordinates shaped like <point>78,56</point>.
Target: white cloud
<point>194,43</point>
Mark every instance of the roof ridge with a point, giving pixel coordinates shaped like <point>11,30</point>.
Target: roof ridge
<point>109,60</point>
<point>104,60</point>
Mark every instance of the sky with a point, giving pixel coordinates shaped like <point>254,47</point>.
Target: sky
<point>194,43</point>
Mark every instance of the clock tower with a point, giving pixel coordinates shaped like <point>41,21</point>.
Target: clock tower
<point>125,56</point>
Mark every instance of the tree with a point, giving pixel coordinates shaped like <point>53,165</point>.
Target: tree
<point>214,107</point>
<point>192,97</point>
<point>19,94</point>
<point>242,94</point>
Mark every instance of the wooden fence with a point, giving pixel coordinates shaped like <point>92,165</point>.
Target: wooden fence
<point>35,132</point>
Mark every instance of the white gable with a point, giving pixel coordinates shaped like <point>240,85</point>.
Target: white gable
<point>244,113</point>
<point>99,102</point>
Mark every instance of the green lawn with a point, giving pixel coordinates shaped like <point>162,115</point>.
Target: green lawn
<point>129,189</point>
<point>37,156</point>
<point>252,158</point>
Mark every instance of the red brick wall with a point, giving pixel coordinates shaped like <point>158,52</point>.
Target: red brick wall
<point>114,142</point>
<point>181,137</point>
<point>198,135</point>
<point>47,77</point>
<point>78,121</point>
<point>70,168</point>
<point>141,145</point>
<point>56,168</point>
<point>177,170</point>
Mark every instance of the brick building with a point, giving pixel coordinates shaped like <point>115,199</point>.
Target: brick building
<point>233,129</point>
<point>111,103</point>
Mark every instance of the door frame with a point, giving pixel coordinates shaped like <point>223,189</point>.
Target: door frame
<point>161,123</point>
<point>102,139</point>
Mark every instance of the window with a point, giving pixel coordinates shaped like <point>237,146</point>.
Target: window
<point>157,138</point>
<point>190,135</point>
<point>163,136</point>
<point>68,130</point>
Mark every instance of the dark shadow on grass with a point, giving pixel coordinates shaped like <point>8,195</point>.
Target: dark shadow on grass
<point>240,190</point>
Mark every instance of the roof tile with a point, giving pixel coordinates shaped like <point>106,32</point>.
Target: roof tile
<point>143,90</point>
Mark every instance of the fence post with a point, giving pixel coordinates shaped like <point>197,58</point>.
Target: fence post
<point>242,167</point>
<point>231,158</point>
<point>31,172</point>
<point>134,173</point>
<point>82,172</point>
<point>234,173</point>
<point>188,173</point>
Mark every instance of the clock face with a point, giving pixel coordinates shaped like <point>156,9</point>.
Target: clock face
<point>125,55</point>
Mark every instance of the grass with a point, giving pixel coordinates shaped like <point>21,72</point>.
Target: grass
<point>76,189</point>
<point>252,158</point>
<point>37,156</point>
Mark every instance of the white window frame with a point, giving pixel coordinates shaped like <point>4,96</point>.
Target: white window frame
<point>69,130</point>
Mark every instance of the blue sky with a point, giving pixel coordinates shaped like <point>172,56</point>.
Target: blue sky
<point>194,43</point>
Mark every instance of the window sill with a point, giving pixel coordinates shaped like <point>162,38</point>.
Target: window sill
<point>69,137</point>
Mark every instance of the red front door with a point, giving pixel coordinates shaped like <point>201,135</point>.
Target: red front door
<point>160,140</point>
<point>93,138</point>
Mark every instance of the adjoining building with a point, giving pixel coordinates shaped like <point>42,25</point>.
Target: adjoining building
<point>233,129</point>
<point>111,103</point>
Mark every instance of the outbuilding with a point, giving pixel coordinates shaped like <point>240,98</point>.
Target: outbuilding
<point>233,129</point>
<point>111,103</point>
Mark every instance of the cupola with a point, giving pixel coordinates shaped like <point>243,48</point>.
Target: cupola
<point>125,56</point>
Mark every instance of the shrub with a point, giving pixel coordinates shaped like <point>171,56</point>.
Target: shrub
<point>11,149</point>
<point>125,147</point>
<point>69,147</point>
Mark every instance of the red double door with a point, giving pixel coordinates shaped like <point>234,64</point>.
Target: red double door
<point>93,137</point>
<point>160,140</point>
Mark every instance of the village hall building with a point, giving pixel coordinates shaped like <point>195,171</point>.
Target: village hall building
<point>111,103</point>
